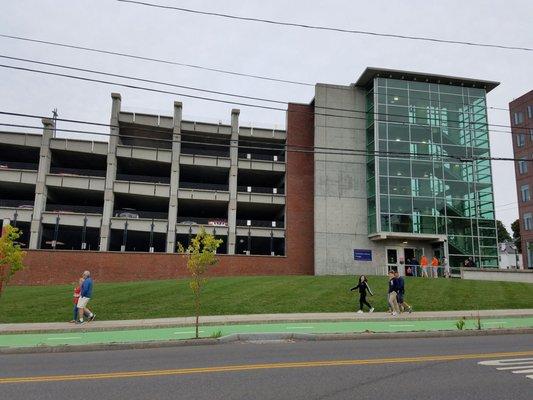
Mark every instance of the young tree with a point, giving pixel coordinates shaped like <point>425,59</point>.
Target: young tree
<point>201,254</point>
<point>11,255</point>
<point>502,232</point>
<point>515,227</point>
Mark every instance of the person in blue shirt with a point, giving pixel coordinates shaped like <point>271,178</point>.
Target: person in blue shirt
<point>400,284</point>
<point>85,295</point>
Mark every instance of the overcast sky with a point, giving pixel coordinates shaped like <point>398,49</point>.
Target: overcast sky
<point>277,51</point>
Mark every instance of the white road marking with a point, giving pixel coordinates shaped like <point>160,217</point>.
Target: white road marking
<point>186,333</point>
<point>514,365</point>
<point>64,338</point>
<point>299,327</point>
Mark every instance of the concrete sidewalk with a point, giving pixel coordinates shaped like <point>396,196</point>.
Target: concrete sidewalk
<point>257,319</point>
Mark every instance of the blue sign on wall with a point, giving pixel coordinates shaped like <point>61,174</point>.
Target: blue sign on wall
<point>362,255</point>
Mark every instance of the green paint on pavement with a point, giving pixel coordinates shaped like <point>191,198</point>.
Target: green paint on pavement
<point>161,334</point>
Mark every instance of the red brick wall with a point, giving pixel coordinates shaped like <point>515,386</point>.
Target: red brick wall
<point>44,267</point>
<point>520,105</point>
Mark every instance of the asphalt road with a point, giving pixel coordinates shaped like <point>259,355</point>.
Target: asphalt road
<point>436,368</point>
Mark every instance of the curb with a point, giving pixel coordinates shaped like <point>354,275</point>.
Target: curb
<point>411,317</point>
<point>261,338</point>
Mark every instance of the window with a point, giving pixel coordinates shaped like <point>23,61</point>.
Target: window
<point>518,117</point>
<point>520,140</point>
<point>530,111</point>
<point>531,134</point>
<point>522,166</point>
<point>525,193</point>
<point>529,255</point>
<point>528,221</point>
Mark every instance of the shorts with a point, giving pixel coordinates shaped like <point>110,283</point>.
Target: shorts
<point>82,302</point>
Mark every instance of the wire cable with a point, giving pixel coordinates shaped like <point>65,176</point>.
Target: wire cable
<point>157,60</point>
<point>325,28</point>
<point>241,103</point>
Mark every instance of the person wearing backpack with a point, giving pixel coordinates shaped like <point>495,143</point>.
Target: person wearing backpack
<point>363,287</point>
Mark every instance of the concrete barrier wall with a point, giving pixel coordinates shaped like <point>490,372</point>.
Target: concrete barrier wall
<point>507,275</point>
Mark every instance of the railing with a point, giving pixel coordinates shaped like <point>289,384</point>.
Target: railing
<point>260,223</point>
<point>202,221</point>
<point>134,214</point>
<point>68,208</point>
<point>260,189</point>
<point>143,178</point>
<point>209,151</point>
<point>204,186</point>
<point>18,165</point>
<point>16,203</point>
<point>263,157</point>
<point>77,171</point>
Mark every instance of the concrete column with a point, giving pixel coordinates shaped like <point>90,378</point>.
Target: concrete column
<point>174,178</point>
<point>111,173</point>
<point>234,159</point>
<point>40,186</point>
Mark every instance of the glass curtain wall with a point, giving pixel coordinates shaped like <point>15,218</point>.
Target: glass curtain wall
<point>433,175</point>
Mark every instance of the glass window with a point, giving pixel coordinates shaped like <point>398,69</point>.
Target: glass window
<point>421,134</point>
<point>529,255</point>
<point>397,97</point>
<point>397,114</point>
<point>524,190</point>
<point>518,117</point>
<point>520,140</point>
<point>528,221</point>
<point>522,166</point>
<point>400,186</point>
<point>400,205</point>
<point>401,223</point>
<point>399,167</point>
<point>530,111</point>
<point>398,132</point>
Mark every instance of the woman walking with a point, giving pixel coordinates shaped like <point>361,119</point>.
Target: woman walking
<point>363,288</point>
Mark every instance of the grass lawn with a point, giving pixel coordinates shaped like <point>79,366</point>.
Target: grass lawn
<point>255,295</point>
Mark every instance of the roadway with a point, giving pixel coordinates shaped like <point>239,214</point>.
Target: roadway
<point>429,368</point>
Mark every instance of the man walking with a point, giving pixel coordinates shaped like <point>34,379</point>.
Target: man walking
<point>402,304</point>
<point>85,296</point>
<point>393,293</point>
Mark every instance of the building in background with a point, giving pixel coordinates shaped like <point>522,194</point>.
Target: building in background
<point>364,178</point>
<point>521,113</point>
<point>509,257</point>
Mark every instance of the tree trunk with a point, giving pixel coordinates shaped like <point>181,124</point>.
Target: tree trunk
<point>197,310</point>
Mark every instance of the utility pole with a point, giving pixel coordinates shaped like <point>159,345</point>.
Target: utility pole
<point>54,118</point>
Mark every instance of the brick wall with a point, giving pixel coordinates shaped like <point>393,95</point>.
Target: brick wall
<point>44,267</point>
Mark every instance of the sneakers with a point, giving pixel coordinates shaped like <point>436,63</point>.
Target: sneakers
<point>91,318</point>
<point>80,322</point>
<point>371,310</point>
<point>410,310</point>
<point>360,312</point>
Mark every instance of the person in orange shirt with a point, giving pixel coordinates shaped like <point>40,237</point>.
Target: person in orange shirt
<point>435,266</point>
<point>424,265</point>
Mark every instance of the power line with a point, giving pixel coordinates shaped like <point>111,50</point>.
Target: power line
<point>289,148</point>
<point>411,96</point>
<point>325,28</point>
<point>157,60</point>
<point>171,62</point>
<point>241,103</point>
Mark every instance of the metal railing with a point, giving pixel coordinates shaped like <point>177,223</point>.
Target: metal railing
<point>77,171</point>
<point>204,186</point>
<point>143,178</point>
<point>262,157</point>
<point>202,221</point>
<point>260,223</point>
<point>69,208</point>
<point>18,165</point>
<point>134,214</point>
<point>260,189</point>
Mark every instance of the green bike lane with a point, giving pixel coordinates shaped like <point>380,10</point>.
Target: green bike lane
<point>81,337</point>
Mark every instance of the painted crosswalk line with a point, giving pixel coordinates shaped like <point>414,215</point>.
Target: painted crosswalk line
<point>522,366</point>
